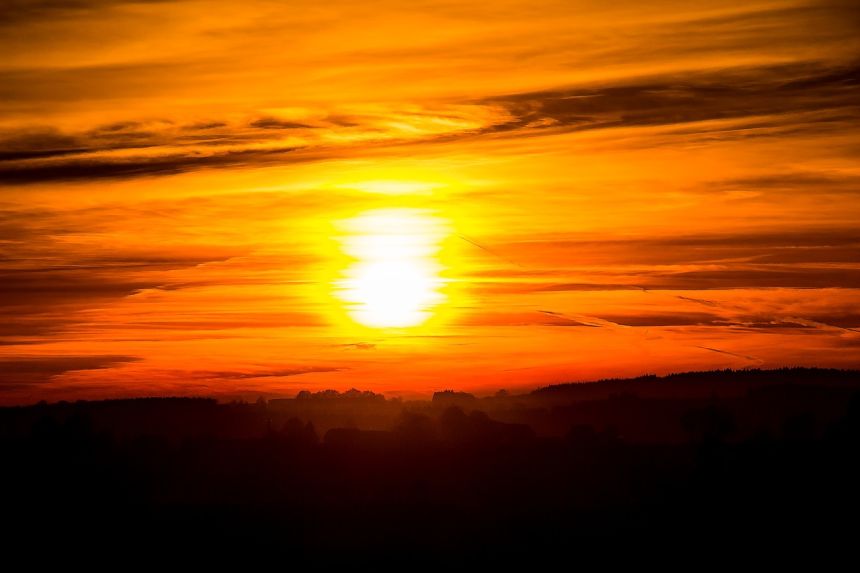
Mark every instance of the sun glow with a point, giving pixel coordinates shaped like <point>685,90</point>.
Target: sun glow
<point>394,278</point>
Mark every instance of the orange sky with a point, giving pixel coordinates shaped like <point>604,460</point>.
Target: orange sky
<point>243,199</point>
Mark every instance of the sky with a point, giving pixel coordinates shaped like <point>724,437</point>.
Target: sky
<point>251,199</point>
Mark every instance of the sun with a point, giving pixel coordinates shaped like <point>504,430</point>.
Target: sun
<point>394,277</point>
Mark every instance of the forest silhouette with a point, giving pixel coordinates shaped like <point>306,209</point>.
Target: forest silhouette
<point>335,476</point>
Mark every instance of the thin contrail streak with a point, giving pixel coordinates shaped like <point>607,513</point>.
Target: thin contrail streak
<point>744,356</point>
<point>490,251</point>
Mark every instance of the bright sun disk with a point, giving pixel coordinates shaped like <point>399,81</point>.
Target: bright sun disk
<point>394,279</point>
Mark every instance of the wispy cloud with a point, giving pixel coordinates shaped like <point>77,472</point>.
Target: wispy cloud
<point>20,372</point>
<point>785,94</point>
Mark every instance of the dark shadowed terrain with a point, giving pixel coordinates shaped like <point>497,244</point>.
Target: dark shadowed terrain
<point>719,460</point>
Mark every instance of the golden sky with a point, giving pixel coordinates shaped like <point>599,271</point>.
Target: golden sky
<point>253,198</point>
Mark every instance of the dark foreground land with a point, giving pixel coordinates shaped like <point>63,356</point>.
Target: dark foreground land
<point>714,460</point>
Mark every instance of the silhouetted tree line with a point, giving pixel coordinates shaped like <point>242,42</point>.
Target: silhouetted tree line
<point>332,476</point>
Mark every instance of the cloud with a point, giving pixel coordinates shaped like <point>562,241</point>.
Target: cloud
<point>96,168</point>
<point>19,372</point>
<point>836,323</point>
<point>50,272</point>
<point>17,11</point>
<point>664,319</point>
<point>683,99</point>
<point>727,278</point>
<point>792,182</point>
<point>275,123</point>
<point>799,94</point>
<point>38,143</point>
<point>813,277</point>
<point>253,374</point>
<point>819,258</point>
<point>205,125</point>
<point>39,302</point>
<point>359,345</point>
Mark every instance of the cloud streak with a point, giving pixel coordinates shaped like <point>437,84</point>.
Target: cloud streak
<point>22,372</point>
<point>787,95</point>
